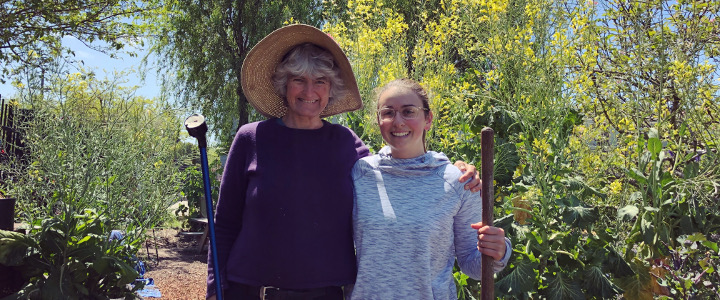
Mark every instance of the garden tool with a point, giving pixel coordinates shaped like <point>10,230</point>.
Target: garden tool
<point>197,128</point>
<point>487,143</point>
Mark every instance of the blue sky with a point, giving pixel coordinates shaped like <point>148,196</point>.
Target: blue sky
<point>104,66</point>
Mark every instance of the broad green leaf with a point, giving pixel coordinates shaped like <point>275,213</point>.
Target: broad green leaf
<point>80,275</point>
<point>639,285</point>
<point>101,264</point>
<point>521,231</point>
<point>53,289</point>
<point>645,159</point>
<point>505,162</point>
<point>87,251</point>
<point>598,285</point>
<point>504,222</point>
<point>521,187</point>
<point>686,225</point>
<point>589,190</point>
<point>85,239</point>
<point>13,248</point>
<point>711,245</point>
<point>581,217</point>
<point>574,183</point>
<point>667,182</point>
<point>667,203</point>
<point>52,241</point>
<point>691,170</point>
<point>647,228</point>
<point>616,265</point>
<point>651,209</point>
<point>568,261</point>
<point>537,236</point>
<point>627,213</point>
<point>461,282</point>
<point>654,146</point>
<point>460,278</point>
<point>637,175</point>
<point>518,278</point>
<point>696,237</point>
<point>683,129</point>
<point>560,287</point>
<point>82,290</point>
<point>127,273</point>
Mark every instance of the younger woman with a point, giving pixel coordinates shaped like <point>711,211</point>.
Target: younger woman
<point>412,217</point>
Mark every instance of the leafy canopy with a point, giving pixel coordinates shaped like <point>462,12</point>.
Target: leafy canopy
<point>31,31</point>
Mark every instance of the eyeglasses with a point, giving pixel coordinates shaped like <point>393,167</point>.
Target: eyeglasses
<point>407,113</point>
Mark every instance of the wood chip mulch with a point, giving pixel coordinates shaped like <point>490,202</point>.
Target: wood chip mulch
<point>177,268</point>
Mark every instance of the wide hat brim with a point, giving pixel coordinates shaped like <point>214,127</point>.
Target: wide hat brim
<point>260,63</point>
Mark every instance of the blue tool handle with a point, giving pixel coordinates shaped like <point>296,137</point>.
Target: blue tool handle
<point>211,221</point>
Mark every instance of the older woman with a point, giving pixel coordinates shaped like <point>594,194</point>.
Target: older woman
<point>284,215</point>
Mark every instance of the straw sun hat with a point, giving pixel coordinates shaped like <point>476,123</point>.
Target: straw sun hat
<point>260,64</point>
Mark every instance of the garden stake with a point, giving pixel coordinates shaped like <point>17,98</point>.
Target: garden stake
<point>487,145</point>
<point>197,128</point>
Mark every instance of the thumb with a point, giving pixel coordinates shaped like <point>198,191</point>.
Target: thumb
<point>477,225</point>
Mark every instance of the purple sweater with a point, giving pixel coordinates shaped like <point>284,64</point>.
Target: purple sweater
<point>284,215</point>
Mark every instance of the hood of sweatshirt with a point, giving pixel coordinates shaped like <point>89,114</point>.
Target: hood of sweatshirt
<point>417,166</point>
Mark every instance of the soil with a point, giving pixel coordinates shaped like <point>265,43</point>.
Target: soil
<point>176,266</point>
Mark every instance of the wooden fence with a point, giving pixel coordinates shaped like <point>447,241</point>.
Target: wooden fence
<point>12,119</point>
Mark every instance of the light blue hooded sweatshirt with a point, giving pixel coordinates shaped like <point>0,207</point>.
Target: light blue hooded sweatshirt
<point>411,220</point>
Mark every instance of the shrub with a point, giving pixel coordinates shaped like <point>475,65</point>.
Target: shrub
<point>70,256</point>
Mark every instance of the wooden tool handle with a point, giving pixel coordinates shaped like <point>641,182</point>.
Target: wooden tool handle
<point>488,195</point>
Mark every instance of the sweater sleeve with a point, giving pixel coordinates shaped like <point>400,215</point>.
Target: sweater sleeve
<point>360,147</point>
<point>468,256</point>
<point>230,204</point>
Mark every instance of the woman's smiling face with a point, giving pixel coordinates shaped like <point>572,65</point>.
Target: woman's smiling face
<point>307,96</point>
<point>405,136</point>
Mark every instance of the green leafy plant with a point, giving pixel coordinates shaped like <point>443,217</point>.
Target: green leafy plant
<point>71,256</point>
<point>561,246</point>
<point>663,215</point>
<point>92,145</point>
<point>692,268</point>
<point>659,216</point>
<point>192,189</point>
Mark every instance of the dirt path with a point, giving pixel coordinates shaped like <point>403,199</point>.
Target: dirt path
<point>177,268</point>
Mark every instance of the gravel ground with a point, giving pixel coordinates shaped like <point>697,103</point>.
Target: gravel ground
<point>178,269</point>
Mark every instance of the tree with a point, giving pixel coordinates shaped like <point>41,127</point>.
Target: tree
<point>649,72</point>
<point>203,45</point>
<point>654,65</point>
<point>31,30</point>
